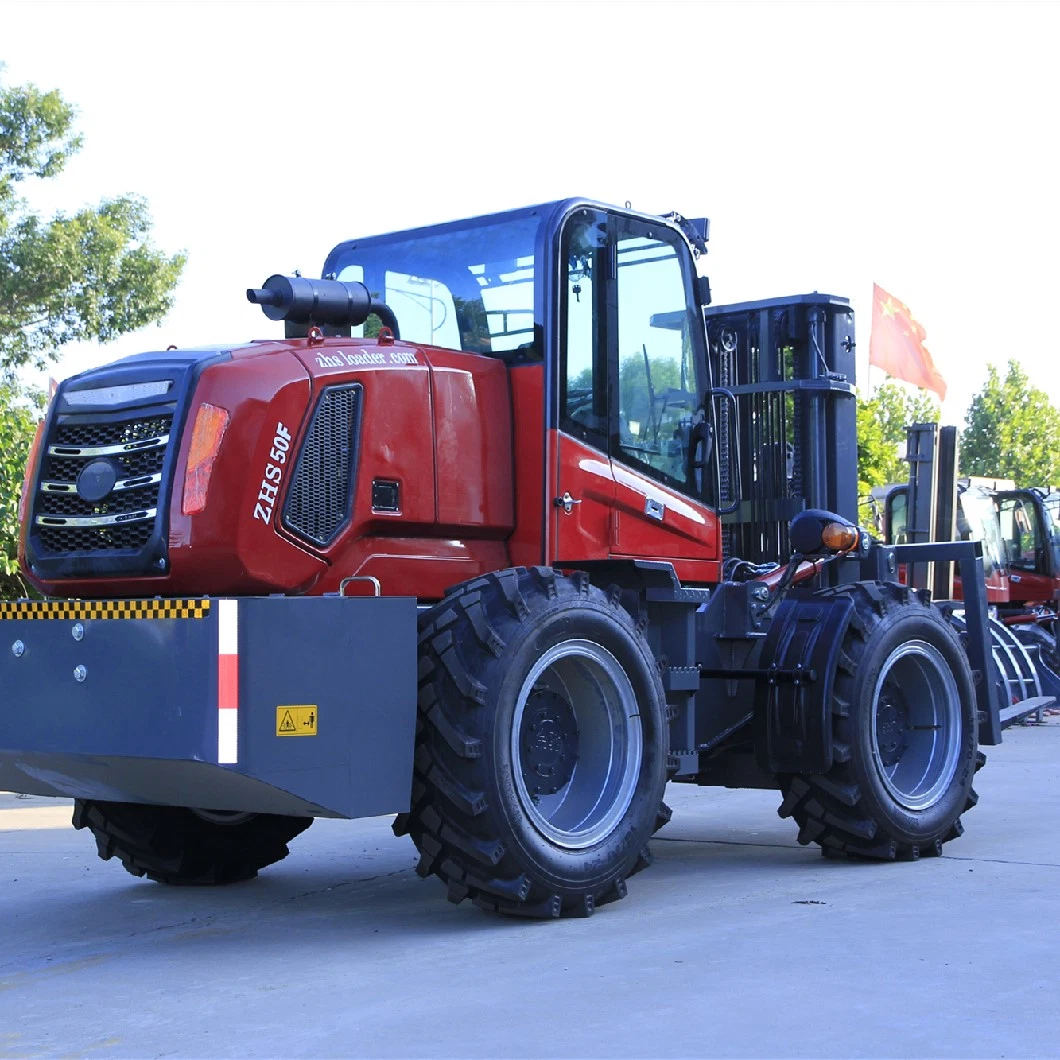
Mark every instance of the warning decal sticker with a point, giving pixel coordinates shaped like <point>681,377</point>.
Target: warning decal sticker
<point>296,721</point>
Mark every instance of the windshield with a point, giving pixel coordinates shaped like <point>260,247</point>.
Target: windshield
<point>467,286</point>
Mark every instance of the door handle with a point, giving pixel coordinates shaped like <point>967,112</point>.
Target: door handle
<point>566,502</point>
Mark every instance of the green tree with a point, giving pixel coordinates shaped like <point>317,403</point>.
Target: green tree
<point>90,276</point>
<point>1012,430</point>
<point>881,422</point>
<point>20,410</point>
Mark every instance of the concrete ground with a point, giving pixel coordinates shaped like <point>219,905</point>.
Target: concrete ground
<point>737,942</point>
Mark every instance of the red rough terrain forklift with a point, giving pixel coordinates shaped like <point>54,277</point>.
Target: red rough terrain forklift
<point>488,540</point>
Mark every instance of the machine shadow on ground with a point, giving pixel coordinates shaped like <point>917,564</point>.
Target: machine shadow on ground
<point>358,897</point>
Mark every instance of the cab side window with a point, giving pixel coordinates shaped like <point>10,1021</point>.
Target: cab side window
<point>583,362</point>
<point>659,394</point>
<point>896,517</point>
<point>1019,534</point>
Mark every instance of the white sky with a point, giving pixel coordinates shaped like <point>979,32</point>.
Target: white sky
<point>831,144</point>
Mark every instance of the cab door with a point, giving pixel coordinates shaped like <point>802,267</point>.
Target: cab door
<point>657,361</point>
<point>1027,544</point>
<point>631,450</point>
<point>583,492</point>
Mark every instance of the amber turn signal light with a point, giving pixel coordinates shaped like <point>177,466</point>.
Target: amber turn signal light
<point>211,422</point>
<point>839,537</point>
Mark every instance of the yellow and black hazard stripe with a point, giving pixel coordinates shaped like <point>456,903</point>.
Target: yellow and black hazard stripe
<point>70,609</point>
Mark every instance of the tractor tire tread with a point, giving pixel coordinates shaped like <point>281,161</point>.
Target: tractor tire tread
<point>830,809</point>
<point>450,819</point>
<point>173,845</point>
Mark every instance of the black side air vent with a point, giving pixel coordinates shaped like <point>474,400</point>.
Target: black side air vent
<point>320,499</point>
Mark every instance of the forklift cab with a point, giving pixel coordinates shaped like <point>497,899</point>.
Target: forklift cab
<point>1032,541</point>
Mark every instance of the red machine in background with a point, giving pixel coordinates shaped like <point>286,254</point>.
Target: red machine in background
<point>1020,544</point>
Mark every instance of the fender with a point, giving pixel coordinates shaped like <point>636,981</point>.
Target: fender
<point>793,695</point>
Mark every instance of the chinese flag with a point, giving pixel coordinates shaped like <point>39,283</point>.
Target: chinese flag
<point>897,344</point>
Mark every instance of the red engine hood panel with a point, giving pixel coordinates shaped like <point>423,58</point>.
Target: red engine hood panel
<point>435,422</point>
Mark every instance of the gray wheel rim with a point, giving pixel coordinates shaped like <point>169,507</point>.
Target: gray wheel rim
<point>916,725</point>
<point>598,693</point>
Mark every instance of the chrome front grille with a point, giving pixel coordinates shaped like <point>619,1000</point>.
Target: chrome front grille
<point>118,508</point>
<point>126,434</point>
<point>136,462</point>
<point>134,451</point>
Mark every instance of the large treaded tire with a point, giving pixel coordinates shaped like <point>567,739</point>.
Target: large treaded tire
<point>472,818</point>
<point>850,810</point>
<point>174,845</point>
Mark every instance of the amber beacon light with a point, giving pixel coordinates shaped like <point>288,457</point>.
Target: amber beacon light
<point>814,532</point>
<point>839,537</point>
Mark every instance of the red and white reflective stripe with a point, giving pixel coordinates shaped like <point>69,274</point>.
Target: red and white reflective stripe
<point>227,682</point>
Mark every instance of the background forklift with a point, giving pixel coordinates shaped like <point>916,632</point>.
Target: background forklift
<point>1016,529</point>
